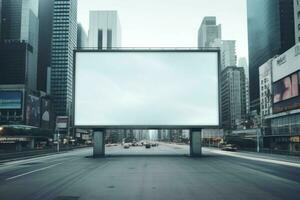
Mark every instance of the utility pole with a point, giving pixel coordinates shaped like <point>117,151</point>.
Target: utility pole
<point>257,141</point>
<point>58,139</point>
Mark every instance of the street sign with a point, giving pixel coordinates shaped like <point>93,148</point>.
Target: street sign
<point>62,122</point>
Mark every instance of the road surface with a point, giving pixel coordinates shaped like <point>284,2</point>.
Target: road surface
<point>216,175</point>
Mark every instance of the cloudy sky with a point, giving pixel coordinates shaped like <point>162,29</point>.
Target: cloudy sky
<point>146,89</point>
<point>171,23</point>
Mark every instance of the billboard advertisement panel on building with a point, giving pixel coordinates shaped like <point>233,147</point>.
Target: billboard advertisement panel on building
<point>33,111</point>
<point>45,113</point>
<point>62,122</point>
<point>286,93</point>
<point>10,99</point>
<point>146,88</point>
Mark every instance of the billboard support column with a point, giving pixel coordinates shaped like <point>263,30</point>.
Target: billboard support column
<point>195,142</point>
<point>99,144</point>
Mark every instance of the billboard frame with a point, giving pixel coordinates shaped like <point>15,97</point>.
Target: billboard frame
<point>286,100</point>
<point>145,50</point>
<point>16,91</point>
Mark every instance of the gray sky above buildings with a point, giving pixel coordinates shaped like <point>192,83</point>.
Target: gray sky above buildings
<point>171,23</point>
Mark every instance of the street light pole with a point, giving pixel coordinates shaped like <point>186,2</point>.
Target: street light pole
<point>257,141</point>
<point>58,140</point>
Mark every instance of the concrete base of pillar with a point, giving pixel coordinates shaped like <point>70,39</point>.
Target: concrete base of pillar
<point>99,144</point>
<point>195,143</point>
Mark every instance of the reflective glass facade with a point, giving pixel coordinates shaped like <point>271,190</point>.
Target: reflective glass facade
<point>270,32</point>
<point>45,35</point>
<point>287,125</point>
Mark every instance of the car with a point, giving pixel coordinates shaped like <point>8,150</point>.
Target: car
<point>147,145</point>
<point>126,146</point>
<point>139,144</point>
<point>229,147</point>
<point>134,144</point>
<point>154,144</point>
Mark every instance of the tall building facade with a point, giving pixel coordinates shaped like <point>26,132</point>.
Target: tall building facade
<point>64,39</point>
<point>283,120</point>
<point>233,101</point>
<point>270,32</point>
<point>209,35</point>
<point>243,63</point>
<point>208,32</point>
<point>45,36</point>
<point>19,27</point>
<point>20,102</point>
<point>265,88</point>
<point>228,52</point>
<point>82,38</point>
<point>297,20</point>
<point>104,30</point>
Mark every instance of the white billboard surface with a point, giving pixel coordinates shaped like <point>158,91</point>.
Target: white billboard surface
<point>138,88</point>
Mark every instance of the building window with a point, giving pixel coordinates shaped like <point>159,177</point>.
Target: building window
<point>109,39</point>
<point>100,39</point>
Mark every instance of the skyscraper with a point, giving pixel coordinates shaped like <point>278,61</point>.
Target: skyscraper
<point>104,30</point>
<point>19,27</point>
<point>233,102</point>
<point>297,20</point>
<point>270,32</point>
<point>64,39</point>
<point>45,35</point>
<point>82,38</point>
<point>18,62</point>
<point>208,32</point>
<point>243,63</point>
<point>227,50</point>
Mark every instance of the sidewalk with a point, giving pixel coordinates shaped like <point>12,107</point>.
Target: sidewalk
<point>278,157</point>
<point>7,157</point>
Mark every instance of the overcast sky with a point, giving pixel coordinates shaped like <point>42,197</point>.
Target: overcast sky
<point>171,23</point>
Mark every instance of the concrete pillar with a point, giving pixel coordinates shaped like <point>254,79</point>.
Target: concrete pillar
<point>195,143</point>
<point>99,144</point>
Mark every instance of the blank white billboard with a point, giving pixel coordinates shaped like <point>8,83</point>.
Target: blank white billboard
<point>146,88</point>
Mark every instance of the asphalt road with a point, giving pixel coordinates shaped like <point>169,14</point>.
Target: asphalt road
<point>216,175</point>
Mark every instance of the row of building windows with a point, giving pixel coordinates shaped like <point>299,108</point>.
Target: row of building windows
<point>61,2</point>
<point>61,23</point>
<point>287,125</point>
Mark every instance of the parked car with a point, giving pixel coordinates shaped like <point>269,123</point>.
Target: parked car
<point>154,144</point>
<point>148,145</point>
<point>229,147</point>
<point>126,146</point>
<point>134,144</point>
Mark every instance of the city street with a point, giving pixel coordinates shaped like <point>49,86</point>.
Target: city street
<point>123,175</point>
<point>162,149</point>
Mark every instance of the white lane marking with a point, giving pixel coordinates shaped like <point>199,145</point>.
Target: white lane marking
<point>37,170</point>
<point>291,164</point>
<point>46,157</point>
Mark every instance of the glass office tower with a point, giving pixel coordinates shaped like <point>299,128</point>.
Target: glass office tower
<point>64,39</point>
<point>270,33</point>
